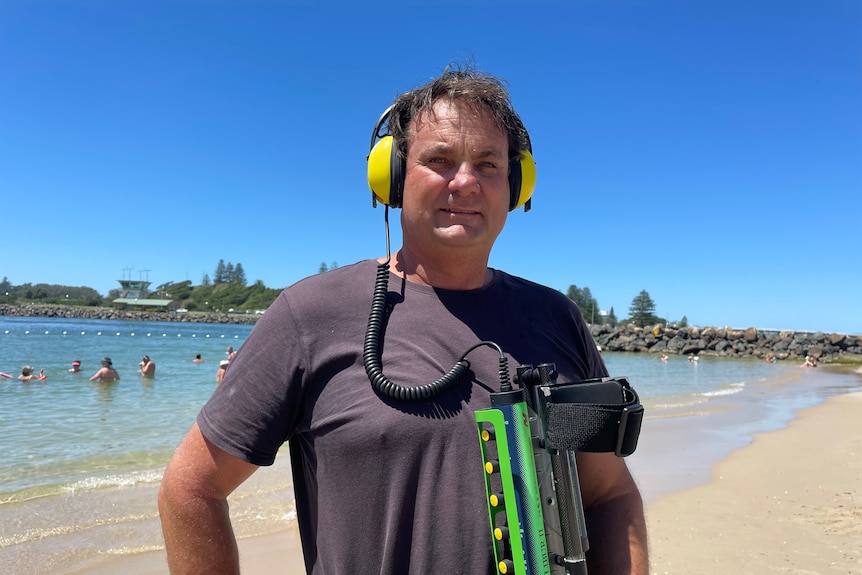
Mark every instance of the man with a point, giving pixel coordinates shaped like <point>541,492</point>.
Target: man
<point>107,373</point>
<point>148,367</point>
<point>385,485</point>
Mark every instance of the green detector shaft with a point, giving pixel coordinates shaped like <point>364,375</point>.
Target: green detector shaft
<point>514,501</point>
<point>534,500</point>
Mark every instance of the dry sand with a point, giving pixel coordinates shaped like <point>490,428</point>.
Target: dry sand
<point>790,502</point>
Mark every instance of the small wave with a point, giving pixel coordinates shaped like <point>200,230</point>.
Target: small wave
<point>731,389</point>
<point>116,480</point>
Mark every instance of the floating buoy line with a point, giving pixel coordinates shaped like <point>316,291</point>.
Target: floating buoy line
<point>121,334</point>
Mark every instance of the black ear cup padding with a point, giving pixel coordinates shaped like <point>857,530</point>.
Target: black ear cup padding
<point>397,175</point>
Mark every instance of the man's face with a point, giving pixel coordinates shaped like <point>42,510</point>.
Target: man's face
<point>456,189</point>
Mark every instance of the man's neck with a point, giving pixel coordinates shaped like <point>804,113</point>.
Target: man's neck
<point>453,273</point>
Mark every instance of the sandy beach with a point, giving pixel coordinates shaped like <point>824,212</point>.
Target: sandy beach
<point>791,502</point>
<point>788,501</point>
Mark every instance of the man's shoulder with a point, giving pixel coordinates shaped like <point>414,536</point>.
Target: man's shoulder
<point>337,276</point>
<point>337,287</point>
<point>524,285</point>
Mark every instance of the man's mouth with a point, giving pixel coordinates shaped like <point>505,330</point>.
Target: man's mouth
<point>460,211</point>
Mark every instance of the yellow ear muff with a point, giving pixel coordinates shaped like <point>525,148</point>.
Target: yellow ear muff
<point>522,182</point>
<point>379,169</point>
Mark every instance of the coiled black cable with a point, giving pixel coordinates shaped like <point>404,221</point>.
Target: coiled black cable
<point>371,353</point>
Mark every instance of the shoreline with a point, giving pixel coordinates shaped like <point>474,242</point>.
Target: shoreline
<point>757,506</point>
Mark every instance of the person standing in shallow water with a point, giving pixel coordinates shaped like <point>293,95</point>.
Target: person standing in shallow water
<point>27,374</point>
<point>148,367</point>
<point>222,368</point>
<point>107,373</point>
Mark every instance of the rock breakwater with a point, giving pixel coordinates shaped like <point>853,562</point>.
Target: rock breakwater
<point>724,341</point>
<point>728,342</point>
<point>76,312</point>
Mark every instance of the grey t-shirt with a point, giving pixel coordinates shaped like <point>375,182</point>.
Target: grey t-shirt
<point>387,486</point>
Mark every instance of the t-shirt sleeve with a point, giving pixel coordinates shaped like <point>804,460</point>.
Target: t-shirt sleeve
<point>256,407</point>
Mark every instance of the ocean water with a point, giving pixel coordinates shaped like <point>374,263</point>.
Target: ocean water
<point>82,461</point>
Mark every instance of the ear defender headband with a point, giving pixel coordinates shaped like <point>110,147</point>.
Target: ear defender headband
<point>386,172</point>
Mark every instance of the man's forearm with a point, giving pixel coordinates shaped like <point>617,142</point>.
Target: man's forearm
<point>618,537</point>
<point>198,537</point>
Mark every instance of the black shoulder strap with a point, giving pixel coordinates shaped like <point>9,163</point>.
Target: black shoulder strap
<point>598,415</point>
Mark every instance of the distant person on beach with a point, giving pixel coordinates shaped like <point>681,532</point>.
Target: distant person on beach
<point>222,368</point>
<point>230,353</point>
<point>198,359</point>
<point>810,361</point>
<point>384,485</point>
<point>664,357</point>
<point>770,357</point>
<point>148,367</point>
<point>76,366</point>
<point>27,374</point>
<point>107,373</point>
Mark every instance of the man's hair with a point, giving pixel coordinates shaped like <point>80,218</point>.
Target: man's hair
<point>466,87</point>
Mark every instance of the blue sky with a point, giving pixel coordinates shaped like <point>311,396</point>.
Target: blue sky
<point>708,152</point>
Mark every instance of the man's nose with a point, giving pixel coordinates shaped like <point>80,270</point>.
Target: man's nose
<point>465,180</point>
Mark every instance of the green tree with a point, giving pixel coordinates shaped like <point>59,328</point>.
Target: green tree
<point>238,275</point>
<point>229,273</point>
<point>642,310</point>
<point>585,301</point>
<point>612,318</point>
<point>218,277</point>
<point>206,280</point>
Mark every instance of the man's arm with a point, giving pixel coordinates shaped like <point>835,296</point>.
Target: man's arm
<point>615,517</point>
<point>194,510</point>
